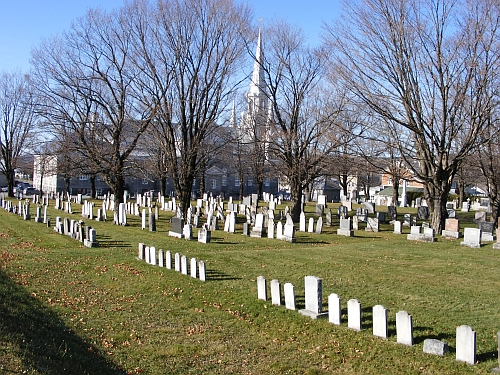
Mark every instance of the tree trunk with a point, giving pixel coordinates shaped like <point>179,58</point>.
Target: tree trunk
<point>296,190</point>
<point>163,185</point>
<point>11,179</point>
<point>495,211</point>
<point>260,186</point>
<point>93,191</point>
<point>437,207</point>
<point>67,184</point>
<point>395,193</point>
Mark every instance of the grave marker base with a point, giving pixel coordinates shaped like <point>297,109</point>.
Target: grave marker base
<point>451,234</point>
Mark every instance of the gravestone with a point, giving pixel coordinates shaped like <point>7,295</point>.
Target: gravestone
<point>407,220</point>
<point>451,213</point>
<point>177,262</point>
<point>148,255</point>
<point>258,230</point>
<point>289,230</point>
<point>302,222</point>
<point>188,232</point>
<point>472,237</point>
<point>397,227</point>
<point>168,259</point>
<point>246,229</point>
<point>322,199</point>
<point>423,213</point>
<point>184,265</point>
<point>355,223</point>
<point>392,212</point>
<point>204,235</point>
<point>334,309</point>
<point>369,206</point>
<point>372,225</point>
<point>381,217</point>
<point>279,230</point>
<point>328,217</point>
<point>313,298</point>
<point>380,321</point>
<point>466,345</point>
<point>193,267</point>
<point>436,347</point>
<point>342,212</point>
<point>270,228</point>
<point>362,214</point>
<point>487,231</point>
<point>310,228</point>
<point>451,228</point>
<point>141,254</point>
<point>202,271</point>
<point>345,228</point>
<point>177,228</point>
<point>152,256</point>
<point>465,206</point>
<point>161,259</point>
<point>152,222</point>
<point>354,314</point>
<point>289,290</point>
<point>480,216</point>
<point>261,288</point>
<point>319,225</point>
<point>275,292</point>
<point>404,328</point>
<point>319,209</point>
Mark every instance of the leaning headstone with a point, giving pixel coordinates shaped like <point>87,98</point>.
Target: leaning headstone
<point>370,207</point>
<point>436,347</point>
<point>193,267</point>
<point>334,309</point>
<point>354,314</point>
<point>472,237</point>
<point>466,345</point>
<point>275,292</point>
<point>313,298</point>
<point>319,225</point>
<point>261,288</point>
<point>423,213</point>
<point>380,321</point>
<point>289,290</point>
<point>372,225</point>
<point>480,216</point>
<point>404,328</point>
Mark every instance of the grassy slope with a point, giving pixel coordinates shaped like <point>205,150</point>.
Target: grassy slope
<point>69,309</point>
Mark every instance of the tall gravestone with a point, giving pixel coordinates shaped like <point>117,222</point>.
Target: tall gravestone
<point>466,345</point>
<point>380,321</point>
<point>261,288</point>
<point>289,290</point>
<point>354,314</point>
<point>313,298</point>
<point>334,309</point>
<point>404,328</point>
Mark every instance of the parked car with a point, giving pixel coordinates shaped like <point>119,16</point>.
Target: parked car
<point>31,191</point>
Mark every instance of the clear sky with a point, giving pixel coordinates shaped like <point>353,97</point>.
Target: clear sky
<point>23,23</point>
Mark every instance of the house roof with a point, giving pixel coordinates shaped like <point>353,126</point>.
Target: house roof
<point>389,191</point>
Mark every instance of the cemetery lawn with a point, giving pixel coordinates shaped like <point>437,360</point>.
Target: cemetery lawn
<point>68,309</point>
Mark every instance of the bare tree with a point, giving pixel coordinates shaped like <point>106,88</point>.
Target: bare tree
<point>302,122</point>
<point>90,86</point>
<point>428,67</point>
<point>198,47</point>
<point>18,120</point>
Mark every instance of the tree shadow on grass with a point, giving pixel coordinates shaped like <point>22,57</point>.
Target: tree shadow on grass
<point>107,241</point>
<point>41,340</point>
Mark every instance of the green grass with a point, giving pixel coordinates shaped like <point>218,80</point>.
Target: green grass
<point>74,310</point>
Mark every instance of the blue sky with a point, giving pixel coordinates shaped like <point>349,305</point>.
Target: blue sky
<point>23,23</point>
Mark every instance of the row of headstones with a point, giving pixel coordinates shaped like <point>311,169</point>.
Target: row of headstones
<point>22,208</point>
<point>77,230</point>
<point>180,264</point>
<point>465,336</point>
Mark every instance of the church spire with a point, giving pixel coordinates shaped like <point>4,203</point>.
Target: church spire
<point>257,85</point>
